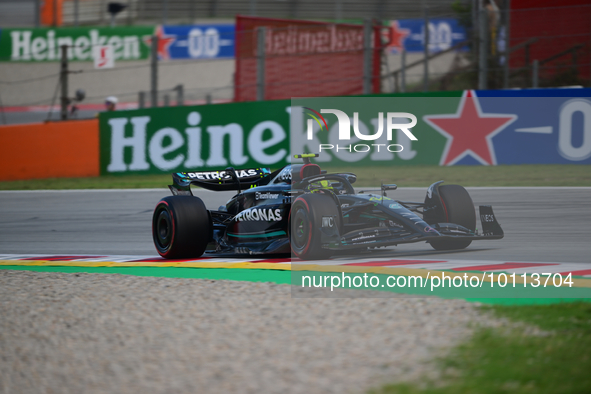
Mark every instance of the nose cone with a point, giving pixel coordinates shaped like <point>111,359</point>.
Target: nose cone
<point>430,231</point>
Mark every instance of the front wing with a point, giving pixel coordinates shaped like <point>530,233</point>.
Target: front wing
<point>387,236</point>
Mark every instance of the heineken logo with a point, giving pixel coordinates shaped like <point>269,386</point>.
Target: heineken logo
<point>44,44</point>
<point>138,143</point>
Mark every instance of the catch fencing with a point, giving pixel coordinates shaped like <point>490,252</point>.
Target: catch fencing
<point>261,134</point>
<point>187,11</point>
<point>462,47</point>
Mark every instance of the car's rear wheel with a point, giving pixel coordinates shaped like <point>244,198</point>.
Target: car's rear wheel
<point>181,227</point>
<point>459,209</point>
<point>305,223</point>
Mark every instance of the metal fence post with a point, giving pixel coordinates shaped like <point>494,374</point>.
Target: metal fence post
<point>575,62</point>
<point>338,10</point>
<point>141,99</point>
<point>102,11</point>
<point>3,114</point>
<point>261,31</point>
<point>37,13</point>
<point>507,45</point>
<point>293,9</point>
<point>213,8</point>
<point>483,48</point>
<point>192,11</point>
<point>128,8</point>
<point>527,72</point>
<point>164,11</point>
<point>234,86</point>
<point>367,63</point>
<point>54,23</point>
<point>154,72</point>
<point>403,70</point>
<point>180,95</point>
<point>76,12</point>
<point>64,82</point>
<point>536,66</point>
<point>426,49</point>
<point>474,13</point>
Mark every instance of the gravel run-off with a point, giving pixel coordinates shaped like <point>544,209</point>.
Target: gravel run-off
<point>105,333</point>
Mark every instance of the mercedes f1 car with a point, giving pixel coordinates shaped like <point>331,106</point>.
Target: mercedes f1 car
<point>313,214</point>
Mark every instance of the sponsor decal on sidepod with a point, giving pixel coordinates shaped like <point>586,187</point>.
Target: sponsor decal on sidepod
<point>259,214</point>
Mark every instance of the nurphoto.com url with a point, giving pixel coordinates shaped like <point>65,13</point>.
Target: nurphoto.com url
<point>438,280</point>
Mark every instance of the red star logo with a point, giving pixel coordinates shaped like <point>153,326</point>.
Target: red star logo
<point>164,41</point>
<point>397,35</point>
<point>469,131</point>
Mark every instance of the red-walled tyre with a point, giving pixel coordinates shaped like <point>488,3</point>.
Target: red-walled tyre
<point>181,227</point>
<point>459,209</point>
<point>305,222</point>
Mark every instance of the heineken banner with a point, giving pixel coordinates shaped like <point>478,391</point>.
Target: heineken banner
<point>171,139</point>
<point>43,44</point>
<point>472,128</point>
<point>129,43</point>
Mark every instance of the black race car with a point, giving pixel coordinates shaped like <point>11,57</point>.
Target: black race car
<point>304,210</point>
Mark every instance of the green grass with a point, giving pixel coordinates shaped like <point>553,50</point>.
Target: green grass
<point>507,360</point>
<point>504,175</point>
<point>421,176</point>
<point>101,182</point>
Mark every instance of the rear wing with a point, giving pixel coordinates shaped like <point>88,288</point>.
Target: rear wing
<point>228,179</point>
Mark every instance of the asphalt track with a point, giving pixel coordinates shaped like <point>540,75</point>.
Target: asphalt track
<point>540,224</point>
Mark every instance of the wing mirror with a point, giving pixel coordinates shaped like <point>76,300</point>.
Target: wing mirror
<point>391,186</point>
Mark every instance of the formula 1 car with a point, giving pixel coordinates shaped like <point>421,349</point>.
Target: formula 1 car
<point>313,214</point>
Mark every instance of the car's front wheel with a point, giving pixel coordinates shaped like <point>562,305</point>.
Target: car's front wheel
<point>181,227</point>
<point>306,219</point>
<point>459,209</point>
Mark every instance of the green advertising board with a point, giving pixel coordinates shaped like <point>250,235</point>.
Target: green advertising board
<point>256,134</point>
<point>43,44</point>
<point>207,137</point>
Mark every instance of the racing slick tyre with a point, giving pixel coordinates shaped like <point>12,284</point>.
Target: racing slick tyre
<point>459,209</point>
<point>305,222</point>
<point>181,227</point>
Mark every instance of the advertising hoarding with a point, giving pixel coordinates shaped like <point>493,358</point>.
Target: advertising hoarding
<point>473,128</point>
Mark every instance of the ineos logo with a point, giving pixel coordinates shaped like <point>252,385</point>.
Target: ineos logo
<point>487,218</point>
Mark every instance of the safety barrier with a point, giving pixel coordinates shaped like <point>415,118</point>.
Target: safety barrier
<point>540,126</point>
<point>50,150</point>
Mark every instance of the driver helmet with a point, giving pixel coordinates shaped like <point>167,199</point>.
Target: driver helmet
<point>323,185</point>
